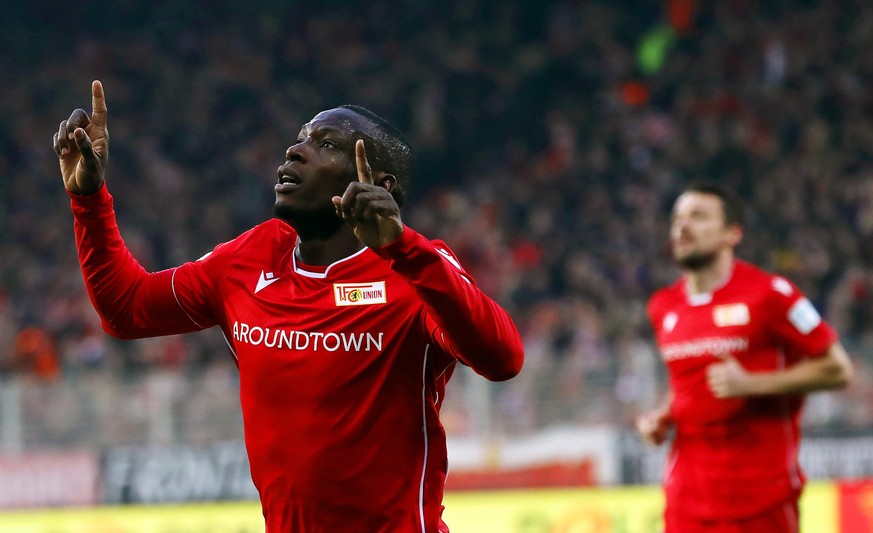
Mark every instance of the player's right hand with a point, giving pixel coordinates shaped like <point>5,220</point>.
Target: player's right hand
<point>654,426</point>
<point>82,146</point>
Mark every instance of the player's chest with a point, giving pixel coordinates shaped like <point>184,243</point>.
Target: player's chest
<point>688,321</point>
<point>689,335</point>
<point>290,300</point>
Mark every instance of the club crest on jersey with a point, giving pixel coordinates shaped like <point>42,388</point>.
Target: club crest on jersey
<point>359,293</point>
<point>731,315</point>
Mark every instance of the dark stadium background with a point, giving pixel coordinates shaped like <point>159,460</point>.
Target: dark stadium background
<point>551,139</point>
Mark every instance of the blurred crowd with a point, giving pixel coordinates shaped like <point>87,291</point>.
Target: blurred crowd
<point>552,138</point>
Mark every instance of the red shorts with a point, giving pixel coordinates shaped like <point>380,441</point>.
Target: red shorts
<point>781,518</point>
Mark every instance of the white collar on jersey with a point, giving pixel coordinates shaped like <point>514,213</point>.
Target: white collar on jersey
<point>703,298</point>
<point>318,275</point>
<point>695,300</point>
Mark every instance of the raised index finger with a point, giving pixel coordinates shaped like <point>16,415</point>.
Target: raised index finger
<point>98,104</point>
<point>365,173</point>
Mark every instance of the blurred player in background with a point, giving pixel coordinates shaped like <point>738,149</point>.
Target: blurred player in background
<point>741,347</point>
<point>344,323</point>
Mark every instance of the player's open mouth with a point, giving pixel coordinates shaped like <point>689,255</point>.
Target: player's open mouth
<point>288,182</point>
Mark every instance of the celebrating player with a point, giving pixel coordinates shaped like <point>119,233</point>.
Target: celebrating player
<point>741,347</point>
<point>345,324</point>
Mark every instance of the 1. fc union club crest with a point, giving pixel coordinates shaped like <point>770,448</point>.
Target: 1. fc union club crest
<point>359,293</point>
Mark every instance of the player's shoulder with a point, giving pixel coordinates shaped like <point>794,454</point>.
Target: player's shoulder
<point>666,296</point>
<point>755,277</point>
<point>270,234</point>
<point>442,247</point>
<point>773,292</point>
<point>745,271</point>
<point>275,228</point>
<point>448,254</point>
<point>270,230</point>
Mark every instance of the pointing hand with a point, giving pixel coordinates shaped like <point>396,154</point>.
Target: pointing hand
<point>82,146</point>
<point>368,208</point>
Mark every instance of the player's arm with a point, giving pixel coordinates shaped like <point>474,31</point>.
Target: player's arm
<point>461,318</point>
<point>795,323</point>
<point>833,370</point>
<point>654,426</point>
<point>130,301</point>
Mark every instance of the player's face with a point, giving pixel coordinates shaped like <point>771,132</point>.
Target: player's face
<point>698,232</point>
<point>318,166</point>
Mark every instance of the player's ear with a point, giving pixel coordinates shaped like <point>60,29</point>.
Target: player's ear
<point>734,235</point>
<point>382,179</point>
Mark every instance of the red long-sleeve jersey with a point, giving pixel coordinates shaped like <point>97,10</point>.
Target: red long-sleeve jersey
<point>734,457</point>
<point>342,369</point>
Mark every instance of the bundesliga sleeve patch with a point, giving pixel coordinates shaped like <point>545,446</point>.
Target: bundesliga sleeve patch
<point>359,293</point>
<point>803,316</point>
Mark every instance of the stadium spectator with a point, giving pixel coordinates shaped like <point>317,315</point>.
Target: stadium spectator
<point>35,354</point>
<point>8,330</point>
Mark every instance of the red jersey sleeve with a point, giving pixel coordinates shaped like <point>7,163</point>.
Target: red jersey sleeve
<point>653,311</point>
<point>795,322</point>
<point>461,319</point>
<point>131,302</point>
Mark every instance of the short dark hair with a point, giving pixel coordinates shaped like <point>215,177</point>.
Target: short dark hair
<point>393,152</point>
<point>731,203</point>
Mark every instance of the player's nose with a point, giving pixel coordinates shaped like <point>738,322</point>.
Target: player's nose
<point>294,152</point>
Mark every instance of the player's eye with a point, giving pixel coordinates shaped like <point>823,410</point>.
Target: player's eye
<point>327,144</point>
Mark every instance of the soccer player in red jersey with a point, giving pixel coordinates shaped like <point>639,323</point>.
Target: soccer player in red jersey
<point>344,323</point>
<point>741,347</point>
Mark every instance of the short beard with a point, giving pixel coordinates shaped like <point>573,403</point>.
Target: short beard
<point>310,223</point>
<point>697,261</point>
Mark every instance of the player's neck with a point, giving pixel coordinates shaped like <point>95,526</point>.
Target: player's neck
<point>712,277</point>
<point>326,251</point>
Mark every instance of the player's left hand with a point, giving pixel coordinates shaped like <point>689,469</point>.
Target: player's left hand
<point>369,208</point>
<point>727,378</point>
